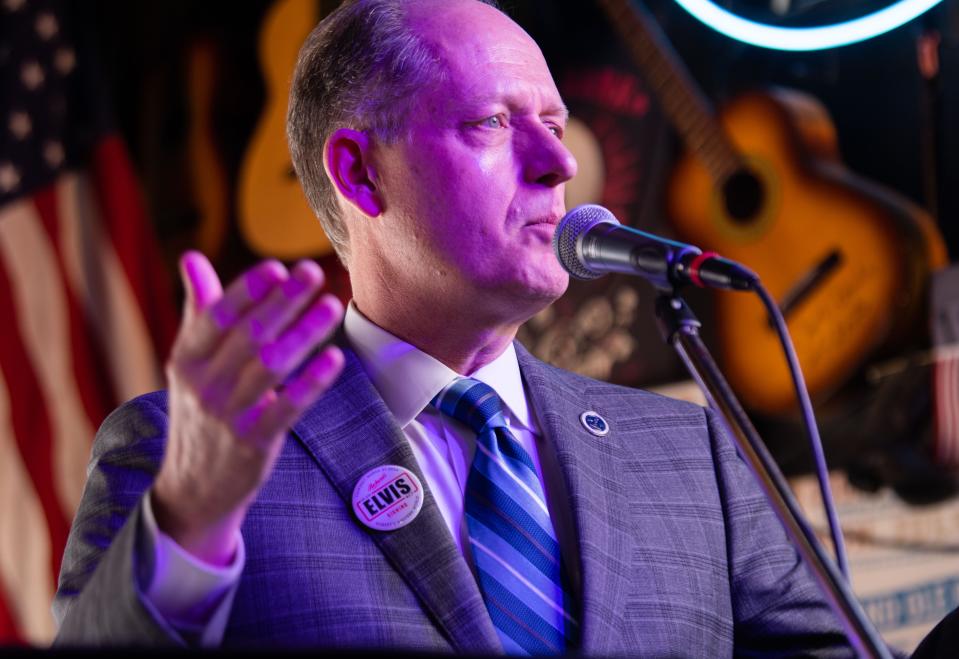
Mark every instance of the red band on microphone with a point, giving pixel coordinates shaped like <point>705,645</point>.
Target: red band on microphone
<point>694,267</point>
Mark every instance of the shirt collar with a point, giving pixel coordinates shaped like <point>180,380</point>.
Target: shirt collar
<point>407,378</point>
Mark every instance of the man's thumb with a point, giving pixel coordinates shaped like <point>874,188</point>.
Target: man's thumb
<point>200,281</point>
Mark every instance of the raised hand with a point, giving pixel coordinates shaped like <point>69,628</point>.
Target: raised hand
<point>236,385</point>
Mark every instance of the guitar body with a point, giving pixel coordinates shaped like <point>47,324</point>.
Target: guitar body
<point>274,216</point>
<point>849,259</point>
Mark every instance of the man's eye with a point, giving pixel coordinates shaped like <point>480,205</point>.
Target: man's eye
<point>496,121</point>
<point>557,131</point>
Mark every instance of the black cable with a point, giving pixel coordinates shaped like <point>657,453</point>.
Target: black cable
<point>809,420</point>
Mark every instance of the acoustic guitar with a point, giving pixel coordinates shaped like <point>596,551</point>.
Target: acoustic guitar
<point>274,216</point>
<point>847,260</point>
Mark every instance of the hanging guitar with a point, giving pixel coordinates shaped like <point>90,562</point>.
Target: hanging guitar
<point>274,216</point>
<point>847,260</point>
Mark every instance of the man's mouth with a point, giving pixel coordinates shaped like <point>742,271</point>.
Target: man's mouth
<point>551,220</point>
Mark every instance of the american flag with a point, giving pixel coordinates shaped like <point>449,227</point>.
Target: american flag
<point>946,389</point>
<point>945,359</point>
<point>84,297</point>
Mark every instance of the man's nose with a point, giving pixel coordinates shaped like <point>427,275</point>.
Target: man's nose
<point>548,161</point>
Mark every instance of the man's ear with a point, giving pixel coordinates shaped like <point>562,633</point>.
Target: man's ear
<point>348,160</point>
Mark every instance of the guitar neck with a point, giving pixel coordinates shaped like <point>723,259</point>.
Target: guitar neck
<point>686,107</point>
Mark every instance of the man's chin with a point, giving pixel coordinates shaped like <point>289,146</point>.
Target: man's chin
<point>515,295</point>
<point>554,291</point>
<point>531,297</point>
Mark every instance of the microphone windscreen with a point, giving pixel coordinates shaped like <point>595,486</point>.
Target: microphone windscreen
<point>573,225</point>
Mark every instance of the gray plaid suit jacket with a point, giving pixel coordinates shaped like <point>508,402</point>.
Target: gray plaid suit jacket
<point>680,555</point>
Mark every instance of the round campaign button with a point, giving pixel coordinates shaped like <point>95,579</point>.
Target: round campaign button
<point>388,497</point>
<point>594,423</point>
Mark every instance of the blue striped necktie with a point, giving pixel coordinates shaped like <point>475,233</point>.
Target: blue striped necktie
<point>514,546</point>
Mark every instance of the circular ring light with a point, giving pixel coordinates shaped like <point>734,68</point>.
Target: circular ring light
<point>806,38</point>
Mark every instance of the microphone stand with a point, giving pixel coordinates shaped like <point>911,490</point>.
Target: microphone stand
<point>680,329</point>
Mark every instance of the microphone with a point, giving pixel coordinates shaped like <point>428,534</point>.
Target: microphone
<point>590,242</point>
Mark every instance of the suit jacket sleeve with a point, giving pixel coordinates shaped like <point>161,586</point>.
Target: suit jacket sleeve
<point>778,608</point>
<point>98,601</point>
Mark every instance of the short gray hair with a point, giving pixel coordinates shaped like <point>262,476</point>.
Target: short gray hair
<point>360,68</point>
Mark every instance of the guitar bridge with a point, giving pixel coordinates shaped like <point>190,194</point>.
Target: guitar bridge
<point>809,282</point>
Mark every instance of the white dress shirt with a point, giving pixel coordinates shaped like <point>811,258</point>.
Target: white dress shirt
<point>194,597</point>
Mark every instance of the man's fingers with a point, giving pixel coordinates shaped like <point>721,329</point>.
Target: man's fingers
<point>204,333</point>
<point>269,319</point>
<point>314,327</point>
<point>241,345</point>
<point>247,421</point>
<point>318,376</point>
<point>277,360</point>
<point>289,405</point>
<point>247,289</point>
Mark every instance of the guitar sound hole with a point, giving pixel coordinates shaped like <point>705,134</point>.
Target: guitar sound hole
<point>744,195</point>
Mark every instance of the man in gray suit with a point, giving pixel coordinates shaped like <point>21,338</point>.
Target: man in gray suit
<point>243,506</point>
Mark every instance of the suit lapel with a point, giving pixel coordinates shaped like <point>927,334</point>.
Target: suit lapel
<point>591,466</point>
<point>350,431</point>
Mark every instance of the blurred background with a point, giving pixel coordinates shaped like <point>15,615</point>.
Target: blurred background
<point>133,131</point>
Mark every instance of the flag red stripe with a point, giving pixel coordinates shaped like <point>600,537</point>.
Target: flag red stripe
<point>125,220</point>
<point>947,406</point>
<point>90,368</point>
<point>942,413</point>
<point>950,402</point>
<point>938,420</point>
<point>9,634</point>
<point>30,422</point>
<point>946,388</point>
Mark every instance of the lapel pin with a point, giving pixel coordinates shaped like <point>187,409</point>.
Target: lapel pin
<point>387,498</point>
<point>594,423</point>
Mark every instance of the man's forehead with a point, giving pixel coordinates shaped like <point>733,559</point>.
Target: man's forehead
<point>486,56</point>
<point>515,94</point>
<point>467,28</point>
<point>429,12</point>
